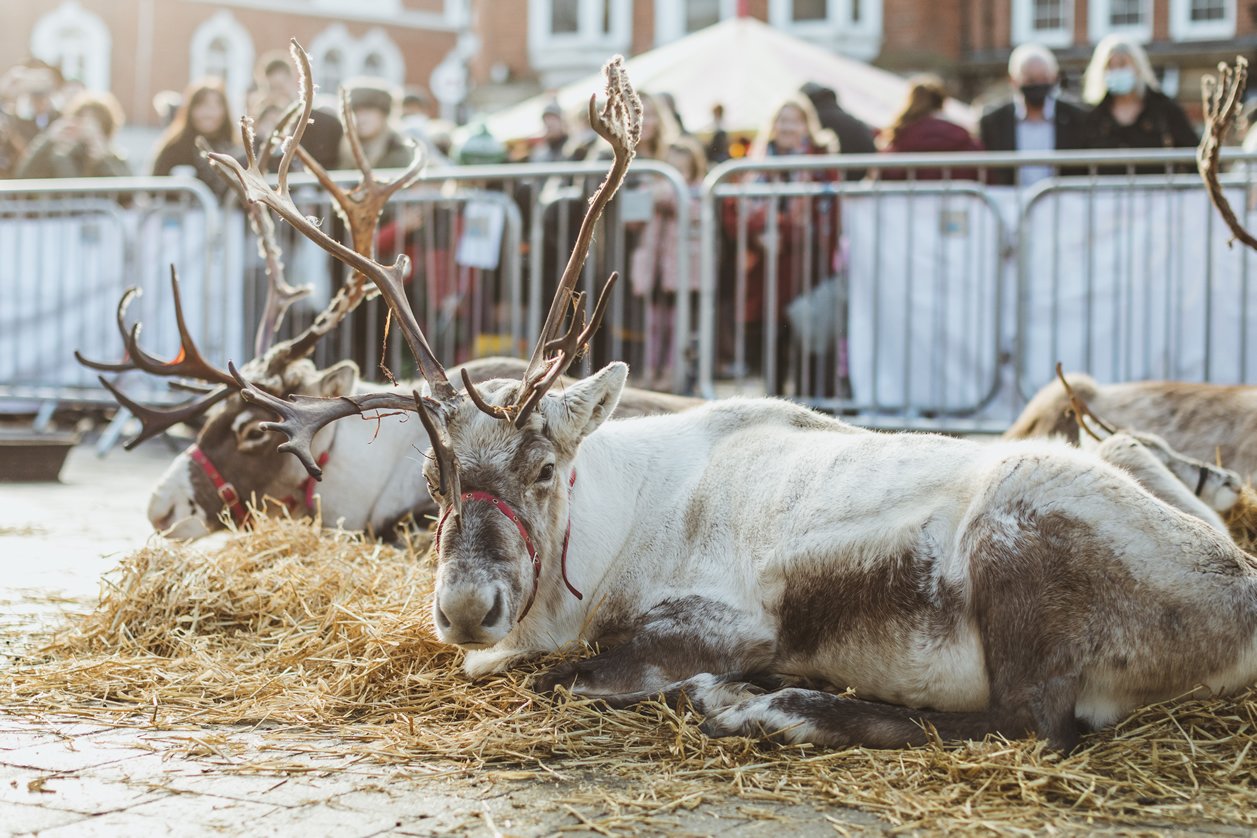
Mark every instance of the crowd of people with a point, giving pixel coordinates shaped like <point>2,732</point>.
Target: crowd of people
<point>51,127</point>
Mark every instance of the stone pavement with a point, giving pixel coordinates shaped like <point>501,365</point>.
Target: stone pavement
<point>59,777</point>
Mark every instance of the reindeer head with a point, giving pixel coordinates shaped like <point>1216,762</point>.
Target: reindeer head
<point>188,502</point>
<point>235,458</point>
<point>512,519</point>
<point>501,455</point>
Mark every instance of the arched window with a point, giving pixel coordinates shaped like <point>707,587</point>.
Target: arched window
<point>77,41</point>
<point>379,56</point>
<point>222,48</point>
<point>333,56</point>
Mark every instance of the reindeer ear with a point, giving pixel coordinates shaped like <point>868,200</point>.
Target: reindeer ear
<point>577,411</point>
<point>338,380</point>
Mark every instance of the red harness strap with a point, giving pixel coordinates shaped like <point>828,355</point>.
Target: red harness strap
<point>226,491</point>
<point>309,487</point>
<point>505,508</point>
<point>231,498</point>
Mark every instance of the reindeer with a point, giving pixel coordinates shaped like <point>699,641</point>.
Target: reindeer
<point>369,481</point>
<point>1016,588</point>
<point>1210,422</point>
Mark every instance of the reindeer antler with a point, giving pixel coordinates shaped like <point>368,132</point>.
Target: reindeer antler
<point>361,207</point>
<point>1223,98</point>
<point>251,182</point>
<point>620,124</point>
<point>1081,410</point>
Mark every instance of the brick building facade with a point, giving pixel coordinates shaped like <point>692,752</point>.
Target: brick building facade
<point>499,51</point>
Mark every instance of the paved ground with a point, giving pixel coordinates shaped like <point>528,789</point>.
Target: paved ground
<point>61,778</point>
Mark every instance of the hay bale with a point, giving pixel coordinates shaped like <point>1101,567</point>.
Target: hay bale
<point>327,633</point>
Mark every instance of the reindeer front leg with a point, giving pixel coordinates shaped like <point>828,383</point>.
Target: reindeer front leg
<point>675,640</point>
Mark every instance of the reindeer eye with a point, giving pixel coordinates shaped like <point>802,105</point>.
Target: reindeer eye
<point>546,473</point>
<point>254,434</point>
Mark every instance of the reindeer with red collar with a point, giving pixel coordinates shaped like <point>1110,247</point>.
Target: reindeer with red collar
<point>1015,588</point>
<point>366,476</point>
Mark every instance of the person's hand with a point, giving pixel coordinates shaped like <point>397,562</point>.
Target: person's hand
<point>93,139</point>
<point>64,133</point>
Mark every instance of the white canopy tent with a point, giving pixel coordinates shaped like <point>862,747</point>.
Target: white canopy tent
<point>744,64</point>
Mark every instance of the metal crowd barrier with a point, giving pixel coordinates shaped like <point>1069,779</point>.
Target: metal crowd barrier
<point>929,301</point>
<point>932,301</point>
<point>488,244</point>
<point>68,251</point>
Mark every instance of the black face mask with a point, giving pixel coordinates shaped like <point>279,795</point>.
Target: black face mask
<point>1036,94</point>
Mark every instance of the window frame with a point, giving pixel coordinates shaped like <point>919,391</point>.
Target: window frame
<point>46,40</point>
<point>1023,30</point>
<point>838,31</point>
<point>670,18</point>
<point>223,24</point>
<point>1182,27</point>
<point>1099,16</point>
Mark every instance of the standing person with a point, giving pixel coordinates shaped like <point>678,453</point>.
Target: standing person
<point>653,266</point>
<point>854,137</point>
<point>718,145</point>
<point>805,246</point>
<point>552,147</point>
<point>37,110</point>
<point>371,101</point>
<point>203,115</point>
<point>1130,110</point>
<point>918,127</point>
<point>277,83</point>
<point>79,143</point>
<point>1036,119</point>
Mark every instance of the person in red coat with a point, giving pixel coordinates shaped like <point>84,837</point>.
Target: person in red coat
<point>918,127</point>
<point>805,245</point>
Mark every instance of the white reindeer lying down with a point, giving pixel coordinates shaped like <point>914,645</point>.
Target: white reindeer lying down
<point>1014,588</point>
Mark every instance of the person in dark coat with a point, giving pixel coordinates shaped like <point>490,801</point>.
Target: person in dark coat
<point>918,127</point>
<point>1037,118</point>
<point>1130,111</point>
<point>372,102</point>
<point>80,143</point>
<point>854,137</point>
<point>277,82</point>
<point>205,115</point>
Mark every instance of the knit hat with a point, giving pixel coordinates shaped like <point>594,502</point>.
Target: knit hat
<point>370,93</point>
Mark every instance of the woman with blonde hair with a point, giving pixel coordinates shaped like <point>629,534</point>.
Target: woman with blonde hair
<point>805,247</point>
<point>918,127</point>
<point>1130,110</point>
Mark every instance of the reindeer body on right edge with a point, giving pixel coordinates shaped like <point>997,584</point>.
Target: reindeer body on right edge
<point>1205,421</point>
<point>1007,588</point>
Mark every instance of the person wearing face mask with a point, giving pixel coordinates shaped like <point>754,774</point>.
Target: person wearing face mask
<point>1130,111</point>
<point>1037,118</point>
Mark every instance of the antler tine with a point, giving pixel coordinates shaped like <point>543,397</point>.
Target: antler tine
<point>154,421</point>
<point>302,417</point>
<point>187,364</point>
<point>1081,410</point>
<point>120,316</point>
<point>280,296</point>
<point>1223,98</point>
<point>620,124</point>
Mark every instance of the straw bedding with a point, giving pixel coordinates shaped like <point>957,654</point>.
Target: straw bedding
<point>327,633</point>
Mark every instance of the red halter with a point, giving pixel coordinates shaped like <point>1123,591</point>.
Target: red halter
<point>505,508</point>
<point>231,498</point>
<point>226,491</point>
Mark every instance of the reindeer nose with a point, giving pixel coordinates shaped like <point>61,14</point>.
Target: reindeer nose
<point>473,615</point>
<point>162,521</point>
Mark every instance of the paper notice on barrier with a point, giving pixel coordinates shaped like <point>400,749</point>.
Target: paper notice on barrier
<point>481,243</point>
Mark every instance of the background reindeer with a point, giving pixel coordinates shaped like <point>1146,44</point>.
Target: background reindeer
<point>1210,422</point>
<point>1012,588</point>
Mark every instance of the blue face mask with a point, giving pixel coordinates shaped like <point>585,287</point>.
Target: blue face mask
<point>1120,81</point>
